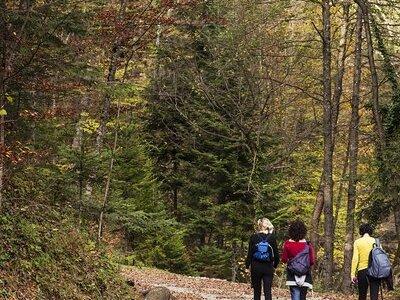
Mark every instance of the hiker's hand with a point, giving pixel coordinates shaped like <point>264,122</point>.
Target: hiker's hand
<point>354,280</point>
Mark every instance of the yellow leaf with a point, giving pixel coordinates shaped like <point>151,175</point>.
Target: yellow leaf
<point>9,99</point>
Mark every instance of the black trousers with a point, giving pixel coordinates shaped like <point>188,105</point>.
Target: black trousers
<point>363,282</point>
<point>262,276</point>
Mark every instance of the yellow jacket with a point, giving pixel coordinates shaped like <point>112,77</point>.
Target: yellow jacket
<point>361,251</point>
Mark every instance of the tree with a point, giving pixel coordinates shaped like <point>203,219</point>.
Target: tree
<point>328,143</point>
<point>353,155</point>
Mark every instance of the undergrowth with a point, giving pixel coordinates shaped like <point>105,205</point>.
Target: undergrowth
<point>44,255</point>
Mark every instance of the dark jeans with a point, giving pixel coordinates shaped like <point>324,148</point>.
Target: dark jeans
<point>298,293</point>
<point>363,282</point>
<point>262,275</point>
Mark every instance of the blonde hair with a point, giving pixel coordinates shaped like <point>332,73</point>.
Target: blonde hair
<point>265,225</point>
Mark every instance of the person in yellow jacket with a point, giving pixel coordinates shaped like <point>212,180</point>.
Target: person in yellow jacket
<point>359,265</point>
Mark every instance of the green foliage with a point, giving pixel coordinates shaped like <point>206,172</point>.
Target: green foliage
<point>211,261</point>
<point>214,145</point>
<point>216,117</point>
<point>43,255</point>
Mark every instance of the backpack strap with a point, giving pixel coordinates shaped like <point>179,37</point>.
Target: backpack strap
<point>272,251</point>
<point>261,239</point>
<point>309,245</point>
<point>377,243</point>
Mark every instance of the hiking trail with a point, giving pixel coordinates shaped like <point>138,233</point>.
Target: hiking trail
<point>200,288</point>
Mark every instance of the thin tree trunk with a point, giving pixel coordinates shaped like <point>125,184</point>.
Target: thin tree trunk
<point>396,212</point>
<point>337,95</point>
<point>341,64</point>
<point>316,217</point>
<point>339,198</point>
<point>116,53</point>
<point>108,180</point>
<point>102,130</point>
<point>77,140</point>
<point>353,157</point>
<point>235,266</point>
<point>80,179</point>
<point>175,190</point>
<point>77,145</point>
<point>364,5</point>
<point>328,144</point>
<point>3,70</point>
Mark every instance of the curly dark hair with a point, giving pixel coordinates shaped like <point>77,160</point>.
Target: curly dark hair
<point>366,228</point>
<point>297,230</point>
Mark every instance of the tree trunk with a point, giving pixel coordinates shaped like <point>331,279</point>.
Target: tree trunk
<point>175,189</point>
<point>116,53</point>
<point>397,225</point>
<point>316,217</point>
<point>101,132</point>
<point>235,267</point>
<point>328,144</point>
<point>77,140</point>
<point>392,125</point>
<point>337,95</point>
<point>3,70</point>
<point>341,64</point>
<point>353,157</point>
<point>108,181</point>
<point>338,203</point>
<point>364,6</point>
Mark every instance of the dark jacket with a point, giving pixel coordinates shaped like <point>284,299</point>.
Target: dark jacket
<point>254,240</point>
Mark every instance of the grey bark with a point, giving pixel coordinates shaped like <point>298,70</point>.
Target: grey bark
<point>338,202</point>
<point>364,6</point>
<point>341,63</point>
<point>328,144</point>
<point>235,267</point>
<point>316,217</point>
<point>337,95</point>
<point>3,75</point>
<point>353,157</point>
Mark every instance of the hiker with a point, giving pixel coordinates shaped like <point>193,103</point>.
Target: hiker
<point>262,258</point>
<point>299,256</point>
<point>370,264</point>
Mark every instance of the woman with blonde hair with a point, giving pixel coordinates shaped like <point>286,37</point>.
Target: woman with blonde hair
<point>262,258</point>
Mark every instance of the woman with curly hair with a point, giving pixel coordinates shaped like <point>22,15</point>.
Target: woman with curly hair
<point>262,258</point>
<point>299,256</point>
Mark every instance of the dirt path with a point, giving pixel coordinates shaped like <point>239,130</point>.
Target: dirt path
<point>196,288</point>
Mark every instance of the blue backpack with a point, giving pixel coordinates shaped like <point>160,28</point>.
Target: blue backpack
<point>300,264</point>
<point>264,251</point>
<point>379,263</point>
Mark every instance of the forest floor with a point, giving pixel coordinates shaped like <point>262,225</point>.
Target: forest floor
<point>198,288</point>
